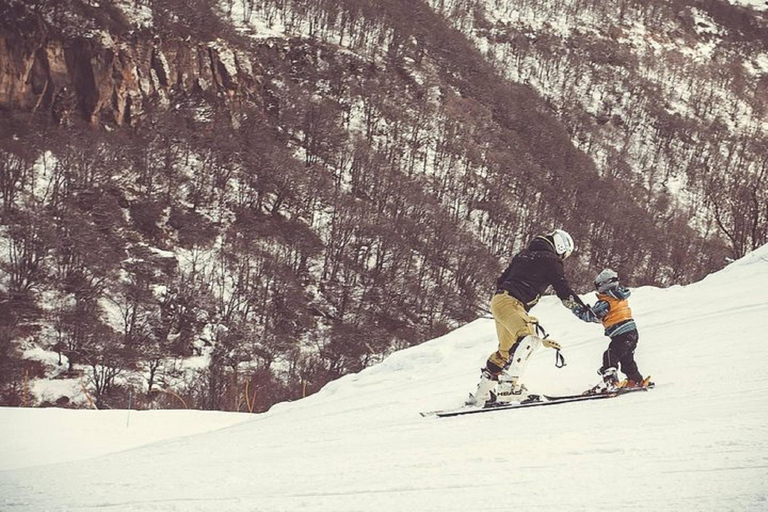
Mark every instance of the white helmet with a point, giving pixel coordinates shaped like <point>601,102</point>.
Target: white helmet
<point>563,243</point>
<point>606,280</point>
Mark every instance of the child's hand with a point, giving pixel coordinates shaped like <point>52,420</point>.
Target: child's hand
<point>600,309</point>
<point>585,314</point>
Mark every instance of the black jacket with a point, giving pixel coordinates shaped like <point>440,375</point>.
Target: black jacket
<point>532,271</point>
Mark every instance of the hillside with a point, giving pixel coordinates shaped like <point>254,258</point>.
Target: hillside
<point>671,95</point>
<point>228,205</point>
<point>696,442</point>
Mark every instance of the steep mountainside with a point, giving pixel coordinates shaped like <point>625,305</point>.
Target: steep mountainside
<point>671,95</point>
<point>233,204</point>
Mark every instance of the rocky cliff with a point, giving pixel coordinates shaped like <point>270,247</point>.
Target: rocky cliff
<point>111,80</point>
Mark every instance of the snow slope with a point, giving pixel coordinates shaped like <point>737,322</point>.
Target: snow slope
<point>699,442</point>
<point>759,5</point>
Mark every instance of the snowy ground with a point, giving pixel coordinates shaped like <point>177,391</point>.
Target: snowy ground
<point>760,5</point>
<point>699,442</point>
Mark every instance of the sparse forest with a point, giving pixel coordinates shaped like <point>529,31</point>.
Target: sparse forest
<point>665,94</point>
<point>193,216</point>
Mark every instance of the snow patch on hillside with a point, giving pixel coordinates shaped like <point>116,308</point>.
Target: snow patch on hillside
<point>137,12</point>
<point>759,5</point>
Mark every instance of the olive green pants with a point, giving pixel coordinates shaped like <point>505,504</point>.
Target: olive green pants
<point>512,324</point>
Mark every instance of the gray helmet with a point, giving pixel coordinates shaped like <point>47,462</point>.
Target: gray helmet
<point>606,280</point>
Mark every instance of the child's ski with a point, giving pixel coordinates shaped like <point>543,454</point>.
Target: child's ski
<point>538,402</point>
<point>616,392</point>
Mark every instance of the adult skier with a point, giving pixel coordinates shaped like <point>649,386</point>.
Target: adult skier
<point>519,288</point>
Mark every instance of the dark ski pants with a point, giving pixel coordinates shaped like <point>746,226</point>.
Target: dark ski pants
<point>621,355</point>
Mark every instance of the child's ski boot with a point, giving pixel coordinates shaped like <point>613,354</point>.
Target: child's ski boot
<point>633,384</point>
<point>609,384</point>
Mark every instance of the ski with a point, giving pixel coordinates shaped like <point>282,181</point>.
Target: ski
<point>617,392</point>
<point>522,405</point>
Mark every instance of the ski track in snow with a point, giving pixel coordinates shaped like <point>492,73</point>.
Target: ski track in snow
<point>699,442</point>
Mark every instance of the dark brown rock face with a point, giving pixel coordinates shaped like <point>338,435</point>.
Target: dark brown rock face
<point>110,80</point>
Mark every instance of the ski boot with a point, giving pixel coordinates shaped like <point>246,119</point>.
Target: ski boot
<point>485,390</point>
<point>609,384</point>
<point>509,390</point>
<point>636,384</point>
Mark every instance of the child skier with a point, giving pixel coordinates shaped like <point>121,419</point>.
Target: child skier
<point>612,310</point>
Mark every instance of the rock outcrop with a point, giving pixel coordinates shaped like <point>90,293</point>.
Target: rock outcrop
<point>110,80</point>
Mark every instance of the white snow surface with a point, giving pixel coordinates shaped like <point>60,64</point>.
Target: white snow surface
<point>759,5</point>
<point>698,442</point>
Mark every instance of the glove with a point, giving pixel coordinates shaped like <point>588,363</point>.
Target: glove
<point>600,309</point>
<point>585,313</point>
<point>550,343</point>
